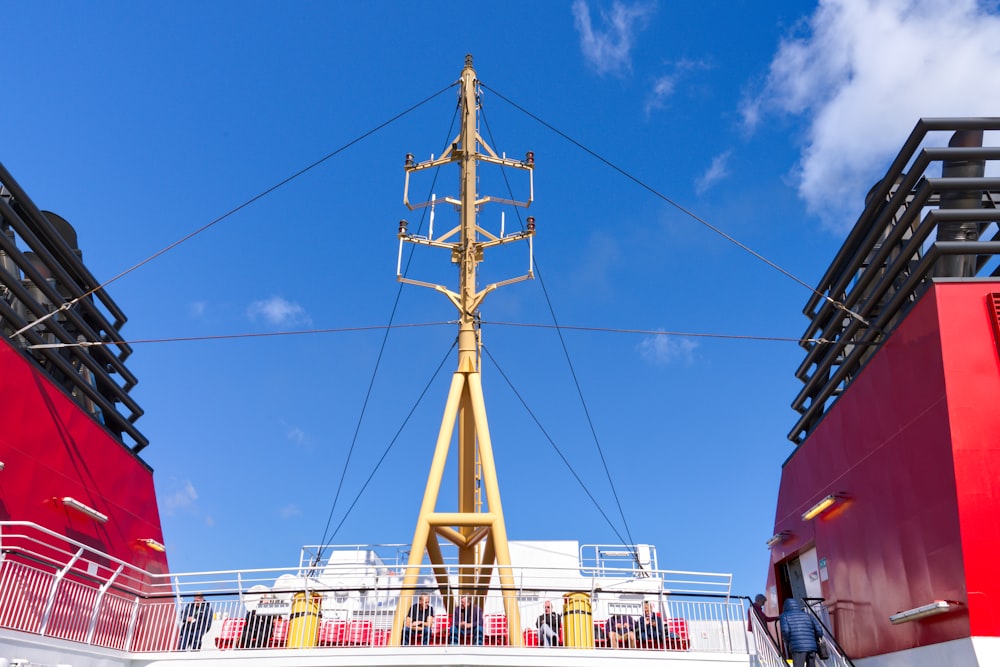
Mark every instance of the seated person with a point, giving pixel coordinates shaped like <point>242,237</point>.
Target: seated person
<point>418,622</point>
<point>621,631</point>
<point>548,625</point>
<point>256,628</point>
<point>467,623</point>
<point>650,627</point>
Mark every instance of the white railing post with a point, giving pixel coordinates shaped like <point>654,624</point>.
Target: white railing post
<point>97,604</point>
<point>51,601</point>
<point>132,621</point>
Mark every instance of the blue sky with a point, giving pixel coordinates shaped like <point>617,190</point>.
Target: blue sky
<point>141,122</point>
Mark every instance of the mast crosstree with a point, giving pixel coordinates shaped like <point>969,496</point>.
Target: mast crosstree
<point>480,536</point>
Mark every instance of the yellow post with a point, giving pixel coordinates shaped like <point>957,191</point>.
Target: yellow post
<point>303,622</point>
<point>578,620</point>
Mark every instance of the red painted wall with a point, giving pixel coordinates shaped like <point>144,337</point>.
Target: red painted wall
<point>913,443</point>
<point>973,381</point>
<point>50,448</point>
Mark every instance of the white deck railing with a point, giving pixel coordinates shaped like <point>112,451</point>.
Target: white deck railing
<point>55,587</point>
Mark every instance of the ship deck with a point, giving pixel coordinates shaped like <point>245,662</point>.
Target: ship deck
<point>62,602</point>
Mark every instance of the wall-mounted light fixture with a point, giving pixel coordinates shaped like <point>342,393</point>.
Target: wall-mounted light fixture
<point>923,611</point>
<point>75,504</point>
<point>821,506</point>
<point>155,545</point>
<point>778,538</point>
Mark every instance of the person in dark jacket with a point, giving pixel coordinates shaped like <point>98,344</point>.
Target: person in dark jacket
<point>800,632</point>
<point>195,622</point>
<point>257,628</point>
<point>650,627</point>
<point>548,625</point>
<point>467,623</point>
<point>418,622</point>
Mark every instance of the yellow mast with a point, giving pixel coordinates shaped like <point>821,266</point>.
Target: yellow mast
<point>469,526</point>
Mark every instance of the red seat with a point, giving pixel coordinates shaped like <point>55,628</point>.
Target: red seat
<point>530,637</point>
<point>676,631</point>
<point>381,637</point>
<point>332,632</point>
<point>359,633</point>
<point>601,633</point>
<point>439,631</point>
<point>279,633</point>
<point>495,630</point>
<point>230,633</point>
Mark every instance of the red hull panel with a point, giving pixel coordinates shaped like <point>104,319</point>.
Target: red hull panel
<point>51,448</point>
<point>914,444</point>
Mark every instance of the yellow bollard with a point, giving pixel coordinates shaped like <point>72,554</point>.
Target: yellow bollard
<point>578,621</point>
<point>303,622</point>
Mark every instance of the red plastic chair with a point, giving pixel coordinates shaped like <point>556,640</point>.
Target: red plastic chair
<point>332,632</point>
<point>359,633</point>
<point>279,633</point>
<point>530,637</point>
<point>601,633</point>
<point>495,630</point>
<point>381,637</point>
<point>440,630</point>
<point>230,633</point>
<point>678,628</point>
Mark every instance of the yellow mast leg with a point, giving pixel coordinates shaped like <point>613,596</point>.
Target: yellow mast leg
<point>469,525</point>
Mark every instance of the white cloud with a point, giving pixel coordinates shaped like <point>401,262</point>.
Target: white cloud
<point>718,170</point>
<point>864,73</point>
<point>289,511</point>
<point>198,308</point>
<point>665,349</point>
<point>183,498</point>
<point>296,435</point>
<point>666,85</point>
<point>663,87</point>
<point>278,312</point>
<point>608,46</point>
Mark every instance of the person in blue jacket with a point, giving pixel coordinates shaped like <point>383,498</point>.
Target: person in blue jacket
<point>800,632</point>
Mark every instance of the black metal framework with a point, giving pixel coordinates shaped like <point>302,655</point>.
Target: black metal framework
<point>41,269</point>
<point>890,257</point>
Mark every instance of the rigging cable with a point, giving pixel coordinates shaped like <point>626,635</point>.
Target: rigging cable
<point>687,334</point>
<point>265,334</point>
<point>681,208</point>
<point>555,447</point>
<point>394,439</point>
<point>572,369</point>
<point>378,363</point>
<point>69,304</point>
<point>413,325</point>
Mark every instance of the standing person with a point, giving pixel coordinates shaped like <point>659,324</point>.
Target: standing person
<point>650,627</point>
<point>195,621</point>
<point>467,623</point>
<point>549,624</point>
<point>418,622</point>
<point>801,632</point>
<point>758,608</point>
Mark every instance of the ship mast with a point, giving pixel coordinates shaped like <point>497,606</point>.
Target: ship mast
<point>480,536</point>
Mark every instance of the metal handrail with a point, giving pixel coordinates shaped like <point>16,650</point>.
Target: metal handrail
<point>56,586</point>
<point>838,657</point>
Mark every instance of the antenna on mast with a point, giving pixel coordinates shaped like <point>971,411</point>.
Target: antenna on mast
<point>469,526</point>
